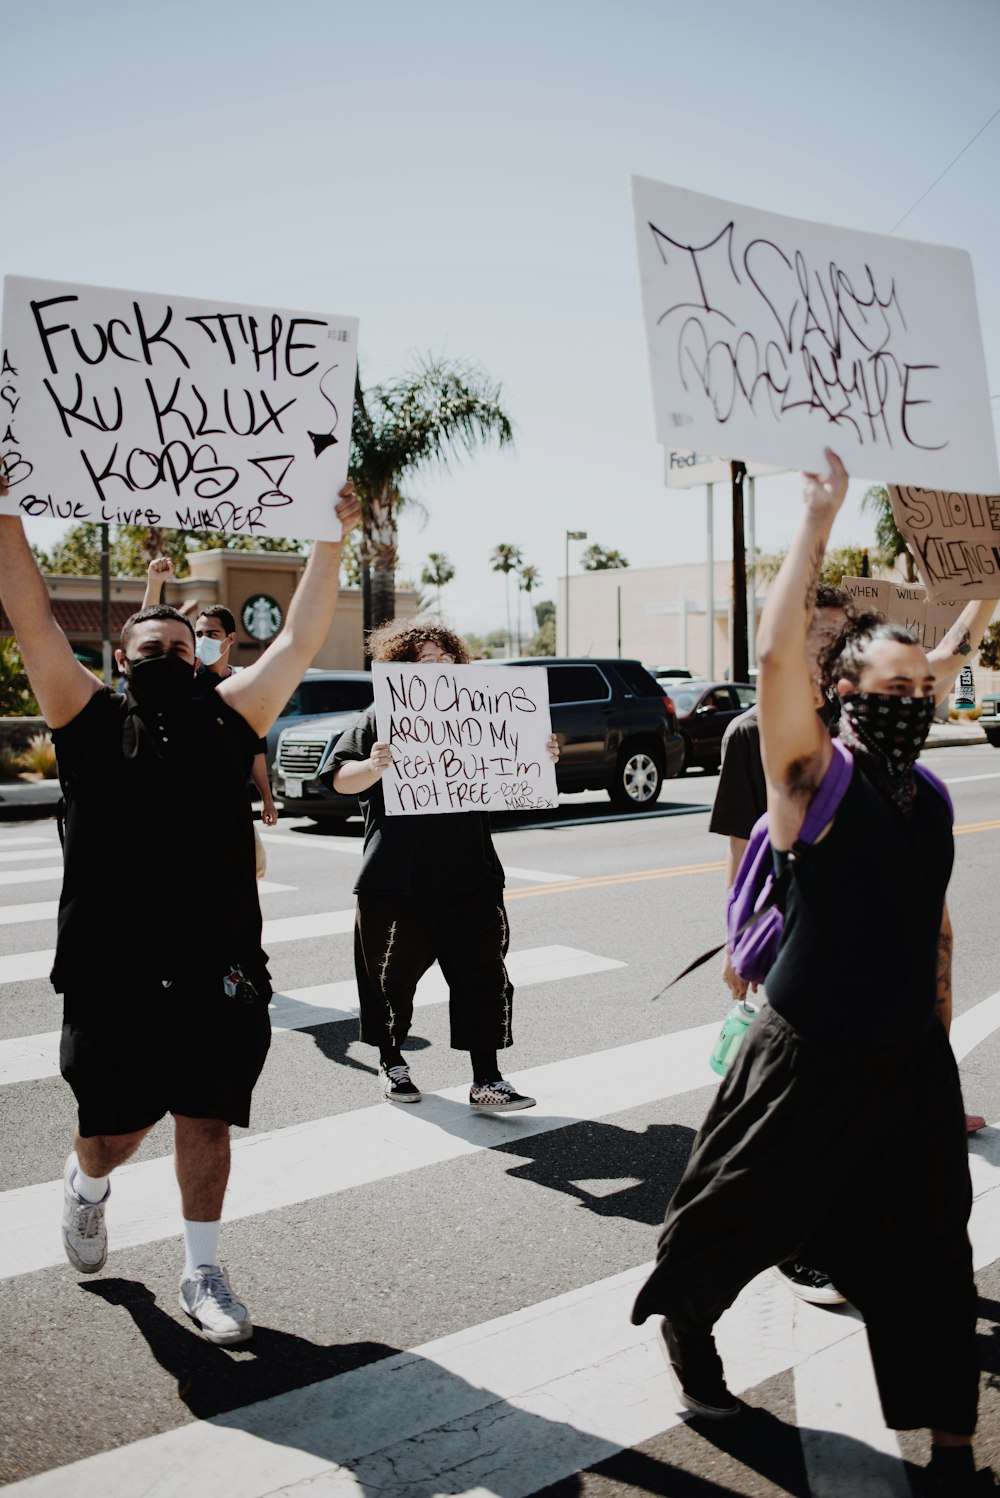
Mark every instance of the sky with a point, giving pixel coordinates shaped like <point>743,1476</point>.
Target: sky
<point>457,176</point>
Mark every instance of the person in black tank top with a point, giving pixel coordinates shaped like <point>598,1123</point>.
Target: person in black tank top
<point>838,1136</point>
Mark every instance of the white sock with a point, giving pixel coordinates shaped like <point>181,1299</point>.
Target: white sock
<point>201,1244</point>
<point>91,1189</point>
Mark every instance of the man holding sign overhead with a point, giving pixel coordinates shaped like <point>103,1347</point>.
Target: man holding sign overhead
<point>176,1020</point>
<point>431,885</point>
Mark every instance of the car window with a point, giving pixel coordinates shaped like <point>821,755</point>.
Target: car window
<point>721,699</point>
<point>684,698</point>
<point>638,680</point>
<point>577,684</point>
<point>746,696</point>
<point>328,697</point>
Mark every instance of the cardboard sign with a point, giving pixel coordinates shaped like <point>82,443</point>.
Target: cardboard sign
<point>464,738</point>
<point>954,538</point>
<point>771,338</point>
<point>134,408</point>
<point>899,603</point>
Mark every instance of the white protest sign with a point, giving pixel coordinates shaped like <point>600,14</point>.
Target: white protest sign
<point>464,738</point>
<point>137,408</point>
<point>900,603</point>
<point>954,538</point>
<point>771,338</point>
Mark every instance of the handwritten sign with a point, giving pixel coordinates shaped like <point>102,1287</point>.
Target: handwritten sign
<point>464,738</point>
<point>135,408</point>
<point>954,538</point>
<point>771,338</point>
<point>899,603</point>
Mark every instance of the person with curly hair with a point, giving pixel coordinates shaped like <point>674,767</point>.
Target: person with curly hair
<point>430,890</point>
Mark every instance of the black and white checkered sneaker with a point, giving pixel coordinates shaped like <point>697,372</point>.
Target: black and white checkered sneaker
<point>497,1097</point>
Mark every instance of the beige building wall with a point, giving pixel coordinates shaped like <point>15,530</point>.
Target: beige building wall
<point>654,614</point>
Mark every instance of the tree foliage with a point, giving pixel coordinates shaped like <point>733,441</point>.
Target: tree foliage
<point>989,650</point>
<point>415,424</point>
<point>16,697</point>
<point>838,563</point>
<point>597,559</point>
<point>888,537</point>
<point>437,573</point>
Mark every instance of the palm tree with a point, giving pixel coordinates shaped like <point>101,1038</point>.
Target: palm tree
<point>529,579</point>
<point>420,421</point>
<point>438,572</point>
<point>890,541</point>
<point>506,559</point>
<point>597,559</point>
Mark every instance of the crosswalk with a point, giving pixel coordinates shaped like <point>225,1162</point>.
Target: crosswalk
<point>509,1398</point>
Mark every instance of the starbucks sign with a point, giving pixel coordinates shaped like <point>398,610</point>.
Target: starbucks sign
<point>261,616</point>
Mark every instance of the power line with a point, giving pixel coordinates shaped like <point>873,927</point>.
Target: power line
<point>945,172</point>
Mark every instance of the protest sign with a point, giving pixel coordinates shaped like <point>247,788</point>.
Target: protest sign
<point>464,738</point>
<point>900,603</point>
<point>135,408</point>
<point>771,338</point>
<point>954,538</point>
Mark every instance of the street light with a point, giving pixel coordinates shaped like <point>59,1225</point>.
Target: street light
<point>570,536</point>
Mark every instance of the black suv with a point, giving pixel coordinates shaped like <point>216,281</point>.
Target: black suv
<point>616,727</point>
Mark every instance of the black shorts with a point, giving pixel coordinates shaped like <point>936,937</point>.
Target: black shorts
<point>133,1057</point>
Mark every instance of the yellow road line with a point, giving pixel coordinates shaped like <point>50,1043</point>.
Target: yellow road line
<point>640,875</point>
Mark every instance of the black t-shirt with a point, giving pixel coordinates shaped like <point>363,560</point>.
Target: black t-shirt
<point>741,795</point>
<point>208,681</point>
<point>416,855</point>
<point>857,965</point>
<point>155,810</point>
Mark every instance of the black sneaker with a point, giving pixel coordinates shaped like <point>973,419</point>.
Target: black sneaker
<point>397,1086</point>
<point>696,1369</point>
<point>808,1284</point>
<point>497,1097</point>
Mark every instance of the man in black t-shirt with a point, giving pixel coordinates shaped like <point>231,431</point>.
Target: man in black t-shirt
<point>169,1016</point>
<point>430,889</point>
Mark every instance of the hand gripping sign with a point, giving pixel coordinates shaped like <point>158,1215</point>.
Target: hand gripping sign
<point>135,408</point>
<point>772,338</point>
<point>464,738</point>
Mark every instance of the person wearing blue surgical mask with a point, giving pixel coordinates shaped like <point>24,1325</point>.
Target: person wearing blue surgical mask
<point>215,636</point>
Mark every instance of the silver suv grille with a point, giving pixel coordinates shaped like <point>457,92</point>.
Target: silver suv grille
<point>301,759</point>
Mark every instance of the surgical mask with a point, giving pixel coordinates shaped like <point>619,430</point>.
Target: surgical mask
<point>208,650</point>
<point>890,732</point>
<point>160,682</point>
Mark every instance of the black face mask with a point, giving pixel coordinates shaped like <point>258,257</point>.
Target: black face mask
<point>160,682</point>
<point>888,732</point>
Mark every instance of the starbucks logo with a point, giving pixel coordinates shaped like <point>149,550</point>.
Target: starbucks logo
<point>261,617</point>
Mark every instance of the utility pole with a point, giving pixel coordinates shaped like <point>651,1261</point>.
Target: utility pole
<point>105,606</point>
<point>739,646</point>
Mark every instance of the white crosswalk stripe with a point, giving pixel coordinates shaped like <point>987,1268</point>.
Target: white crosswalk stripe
<point>31,1057</point>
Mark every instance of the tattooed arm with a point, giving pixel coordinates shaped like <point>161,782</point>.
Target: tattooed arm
<point>958,644</point>
<point>946,942</point>
<point>795,747</point>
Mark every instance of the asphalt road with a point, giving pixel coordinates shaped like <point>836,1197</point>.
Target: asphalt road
<point>441,1299</point>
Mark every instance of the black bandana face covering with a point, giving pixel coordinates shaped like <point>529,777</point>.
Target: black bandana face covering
<point>160,682</point>
<point>889,732</point>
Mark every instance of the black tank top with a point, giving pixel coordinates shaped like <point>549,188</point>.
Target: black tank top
<point>857,965</point>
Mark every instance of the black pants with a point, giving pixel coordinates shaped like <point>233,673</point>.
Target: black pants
<point>858,1162</point>
<point>397,938</point>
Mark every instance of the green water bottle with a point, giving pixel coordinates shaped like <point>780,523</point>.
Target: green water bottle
<point>734,1027</point>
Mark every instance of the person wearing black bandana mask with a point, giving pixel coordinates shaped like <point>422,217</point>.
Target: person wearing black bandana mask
<point>838,1134</point>
<point>164,1014</point>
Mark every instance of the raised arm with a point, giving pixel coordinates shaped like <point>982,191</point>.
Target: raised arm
<point>795,747</point>
<point>62,685</point>
<point>260,692</point>
<point>962,640</point>
<point>159,571</point>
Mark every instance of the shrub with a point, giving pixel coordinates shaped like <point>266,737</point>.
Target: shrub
<point>40,757</point>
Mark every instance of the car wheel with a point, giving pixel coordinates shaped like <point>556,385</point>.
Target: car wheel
<point>638,779</point>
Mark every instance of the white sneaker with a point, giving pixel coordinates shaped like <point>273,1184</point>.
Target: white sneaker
<point>84,1231</point>
<point>208,1300</point>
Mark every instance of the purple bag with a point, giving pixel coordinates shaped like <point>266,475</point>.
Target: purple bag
<point>755,905</point>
